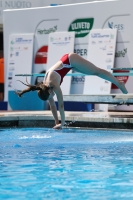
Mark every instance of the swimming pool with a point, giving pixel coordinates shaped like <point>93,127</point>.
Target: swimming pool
<point>40,163</point>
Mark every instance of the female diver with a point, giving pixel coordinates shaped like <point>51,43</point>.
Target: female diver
<point>54,78</point>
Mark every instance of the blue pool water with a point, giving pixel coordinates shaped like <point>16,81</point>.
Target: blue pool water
<point>40,163</point>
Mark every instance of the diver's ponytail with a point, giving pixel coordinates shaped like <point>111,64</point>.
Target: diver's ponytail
<point>30,88</point>
<point>43,90</point>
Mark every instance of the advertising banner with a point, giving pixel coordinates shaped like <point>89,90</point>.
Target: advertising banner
<point>78,18</point>
<point>60,43</point>
<point>20,59</point>
<point>101,53</point>
<point>123,50</point>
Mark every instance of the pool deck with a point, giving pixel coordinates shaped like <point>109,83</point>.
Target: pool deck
<point>113,120</point>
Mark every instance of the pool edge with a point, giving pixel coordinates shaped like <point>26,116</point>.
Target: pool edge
<point>110,120</point>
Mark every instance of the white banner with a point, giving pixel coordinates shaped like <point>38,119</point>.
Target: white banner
<point>60,43</point>
<point>101,52</point>
<point>20,60</point>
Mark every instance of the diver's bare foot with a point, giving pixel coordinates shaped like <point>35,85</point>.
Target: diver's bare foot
<point>123,88</point>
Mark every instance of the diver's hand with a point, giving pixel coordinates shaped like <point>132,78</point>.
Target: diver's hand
<point>58,126</point>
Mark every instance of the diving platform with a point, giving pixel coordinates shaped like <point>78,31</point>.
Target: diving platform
<point>119,99</point>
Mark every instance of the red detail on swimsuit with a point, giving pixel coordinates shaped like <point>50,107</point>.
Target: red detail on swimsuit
<point>65,59</point>
<point>64,70</point>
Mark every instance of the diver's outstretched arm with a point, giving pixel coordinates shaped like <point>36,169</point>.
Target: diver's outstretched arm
<point>54,110</point>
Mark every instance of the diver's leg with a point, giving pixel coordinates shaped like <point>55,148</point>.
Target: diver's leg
<point>89,68</point>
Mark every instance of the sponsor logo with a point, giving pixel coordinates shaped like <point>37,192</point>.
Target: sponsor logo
<point>119,27</point>
<point>93,42</point>
<point>47,31</point>
<point>51,39</point>
<point>11,48</point>
<point>81,27</point>
<point>60,40</point>
<point>12,42</point>
<point>21,40</point>
<point>10,74</point>
<point>122,53</point>
<point>81,52</point>
<point>11,63</point>
<point>17,53</point>
<point>41,55</point>
<point>25,48</point>
<point>109,54</point>
<point>111,36</point>
<point>18,4</point>
<point>77,79</point>
<point>11,55</point>
<point>99,35</point>
<point>10,84</point>
<point>14,48</point>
